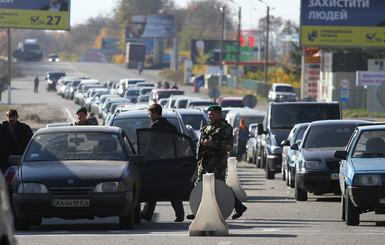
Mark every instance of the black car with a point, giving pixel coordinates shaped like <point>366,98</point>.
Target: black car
<point>52,78</point>
<point>76,173</point>
<point>316,168</point>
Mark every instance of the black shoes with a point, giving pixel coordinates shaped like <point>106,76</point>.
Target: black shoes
<point>179,219</point>
<point>190,216</point>
<point>238,213</point>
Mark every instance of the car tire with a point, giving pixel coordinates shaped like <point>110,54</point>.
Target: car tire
<point>127,221</point>
<point>249,159</point>
<point>287,173</point>
<point>137,214</point>
<point>352,214</point>
<point>300,193</point>
<point>263,160</point>
<point>291,179</point>
<point>20,224</point>
<point>269,174</point>
<point>343,217</point>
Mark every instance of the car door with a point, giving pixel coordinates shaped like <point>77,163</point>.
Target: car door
<point>169,170</point>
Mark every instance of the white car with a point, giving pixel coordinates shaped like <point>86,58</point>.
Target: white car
<point>282,92</point>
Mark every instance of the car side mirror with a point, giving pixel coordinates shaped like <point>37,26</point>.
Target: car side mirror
<point>285,143</point>
<point>137,159</point>
<point>294,147</point>
<point>341,155</point>
<point>14,160</point>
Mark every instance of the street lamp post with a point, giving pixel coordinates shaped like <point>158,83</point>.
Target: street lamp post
<point>266,41</point>
<point>222,8</point>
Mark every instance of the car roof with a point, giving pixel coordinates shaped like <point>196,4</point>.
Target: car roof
<point>302,103</point>
<point>282,84</point>
<point>231,98</point>
<point>248,111</point>
<point>374,126</point>
<point>185,111</point>
<point>80,129</point>
<point>168,113</point>
<point>339,122</point>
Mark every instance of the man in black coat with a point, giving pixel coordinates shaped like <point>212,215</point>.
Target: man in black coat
<point>21,131</point>
<point>56,5</point>
<point>8,146</point>
<point>155,114</point>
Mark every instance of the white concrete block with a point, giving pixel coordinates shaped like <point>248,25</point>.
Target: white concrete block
<point>208,220</point>
<point>232,179</point>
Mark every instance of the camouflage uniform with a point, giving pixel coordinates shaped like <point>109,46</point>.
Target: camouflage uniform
<point>214,159</point>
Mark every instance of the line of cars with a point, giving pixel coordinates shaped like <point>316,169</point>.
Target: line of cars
<point>322,154</point>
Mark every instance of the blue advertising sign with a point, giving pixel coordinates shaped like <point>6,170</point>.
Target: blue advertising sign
<point>35,14</point>
<point>344,95</point>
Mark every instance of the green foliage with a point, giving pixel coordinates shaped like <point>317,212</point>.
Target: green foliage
<point>359,113</point>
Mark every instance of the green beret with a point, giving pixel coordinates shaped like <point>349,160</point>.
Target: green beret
<point>214,108</point>
<point>81,109</point>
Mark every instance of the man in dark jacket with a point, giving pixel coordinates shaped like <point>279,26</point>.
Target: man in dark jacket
<point>155,114</point>
<point>8,146</point>
<point>21,131</point>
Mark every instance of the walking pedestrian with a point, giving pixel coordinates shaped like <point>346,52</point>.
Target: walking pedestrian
<point>36,84</point>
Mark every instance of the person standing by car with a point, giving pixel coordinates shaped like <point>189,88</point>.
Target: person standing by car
<point>140,68</point>
<point>82,117</point>
<point>159,122</point>
<point>8,146</point>
<point>241,135</point>
<point>21,131</point>
<point>36,84</point>
<point>215,142</point>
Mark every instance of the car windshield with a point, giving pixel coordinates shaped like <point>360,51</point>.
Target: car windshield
<point>194,120</point>
<point>129,125</point>
<point>286,89</point>
<point>232,103</point>
<point>287,116</point>
<point>167,94</point>
<point>328,136</point>
<point>56,76</point>
<point>370,144</point>
<point>74,146</point>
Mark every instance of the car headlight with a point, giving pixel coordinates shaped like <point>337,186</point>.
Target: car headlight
<point>314,165</point>
<point>276,150</point>
<point>109,187</point>
<point>367,180</point>
<point>31,188</point>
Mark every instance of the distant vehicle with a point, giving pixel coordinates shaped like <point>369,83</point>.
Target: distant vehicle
<point>252,144</point>
<point>6,229</point>
<point>135,53</point>
<point>193,117</point>
<point>53,58</point>
<point>231,102</point>
<point>316,168</point>
<point>132,94</point>
<point>28,50</point>
<point>282,92</point>
<point>361,178</point>
<point>199,103</point>
<point>52,78</point>
<point>157,94</point>
<point>58,177</point>
<point>62,84</point>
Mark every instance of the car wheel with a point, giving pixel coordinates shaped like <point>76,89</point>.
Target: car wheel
<point>249,159</point>
<point>269,174</point>
<point>263,160</point>
<point>20,224</point>
<point>352,214</point>
<point>127,221</point>
<point>137,214</point>
<point>287,173</point>
<point>283,173</point>
<point>300,193</point>
<point>343,208</point>
<point>291,179</point>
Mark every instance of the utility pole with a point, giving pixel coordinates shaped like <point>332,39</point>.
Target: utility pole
<point>267,44</point>
<point>9,67</point>
<point>238,50</point>
<point>222,8</point>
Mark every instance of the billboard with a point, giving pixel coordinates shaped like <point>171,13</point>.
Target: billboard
<point>150,26</point>
<point>35,14</point>
<point>342,23</point>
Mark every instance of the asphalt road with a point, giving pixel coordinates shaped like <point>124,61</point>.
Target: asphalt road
<point>273,215</point>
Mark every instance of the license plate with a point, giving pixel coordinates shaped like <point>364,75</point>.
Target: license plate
<point>70,203</point>
<point>335,176</point>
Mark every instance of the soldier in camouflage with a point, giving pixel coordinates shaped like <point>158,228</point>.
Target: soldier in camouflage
<point>215,141</point>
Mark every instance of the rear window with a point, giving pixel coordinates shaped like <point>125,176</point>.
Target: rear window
<point>286,89</point>
<point>232,103</point>
<point>328,136</point>
<point>287,116</point>
<point>167,94</point>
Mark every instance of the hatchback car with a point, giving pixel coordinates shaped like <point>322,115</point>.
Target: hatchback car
<point>76,173</point>
<point>362,173</point>
<point>316,168</point>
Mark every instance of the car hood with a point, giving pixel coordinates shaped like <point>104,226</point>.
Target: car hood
<point>320,154</point>
<point>280,134</point>
<point>86,172</point>
<point>368,164</point>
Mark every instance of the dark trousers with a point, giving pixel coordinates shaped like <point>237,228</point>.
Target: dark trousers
<point>149,208</point>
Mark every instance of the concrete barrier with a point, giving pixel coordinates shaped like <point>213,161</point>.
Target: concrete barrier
<point>209,220</point>
<point>232,179</point>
